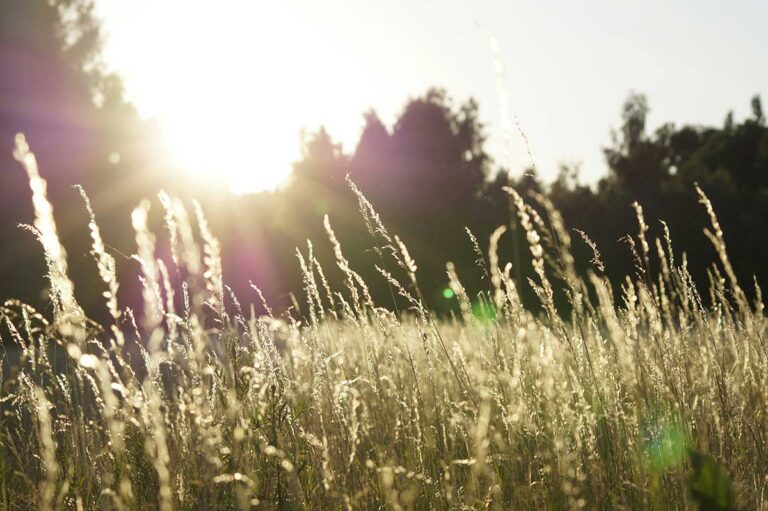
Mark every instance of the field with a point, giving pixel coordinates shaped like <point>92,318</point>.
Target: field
<point>655,400</point>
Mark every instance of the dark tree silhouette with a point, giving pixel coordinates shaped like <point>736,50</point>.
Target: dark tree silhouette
<point>428,176</point>
<point>660,172</point>
<point>53,88</point>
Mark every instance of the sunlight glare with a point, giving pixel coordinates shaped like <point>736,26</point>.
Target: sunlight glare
<point>227,145</point>
<point>233,93</point>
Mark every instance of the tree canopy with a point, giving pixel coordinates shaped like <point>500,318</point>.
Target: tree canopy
<point>428,175</point>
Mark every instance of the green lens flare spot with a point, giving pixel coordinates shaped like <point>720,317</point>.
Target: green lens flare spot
<point>483,312</point>
<point>666,446</point>
<point>448,293</point>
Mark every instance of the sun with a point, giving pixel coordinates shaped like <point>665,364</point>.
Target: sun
<point>234,87</point>
<point>232,125</point>
<point>228,145</point>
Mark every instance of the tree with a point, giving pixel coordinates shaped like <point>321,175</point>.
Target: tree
<point>55,90</point>
<point>425,177</point>
<point>660,172</point>
<point>757,110</point>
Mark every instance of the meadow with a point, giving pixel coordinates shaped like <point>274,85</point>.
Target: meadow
<point>650,396</point>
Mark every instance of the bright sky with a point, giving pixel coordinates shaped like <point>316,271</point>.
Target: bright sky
<point>234,82</point>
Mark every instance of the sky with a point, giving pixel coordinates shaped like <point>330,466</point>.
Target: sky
<point>236,83</point>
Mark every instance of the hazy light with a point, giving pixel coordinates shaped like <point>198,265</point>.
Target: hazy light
<point>236,81</point>
<point>236,153</point>
<point>448,293</point>
<point>234,87</point>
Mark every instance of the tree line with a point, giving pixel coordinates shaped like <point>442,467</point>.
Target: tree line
<point>428,176</point>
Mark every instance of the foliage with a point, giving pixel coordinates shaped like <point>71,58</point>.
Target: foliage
<point>709,483</point>
<point>582,374</point>
<point>56,89</point>
<point>660,171</point>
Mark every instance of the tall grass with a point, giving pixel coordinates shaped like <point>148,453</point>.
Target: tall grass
<point>656,401</point>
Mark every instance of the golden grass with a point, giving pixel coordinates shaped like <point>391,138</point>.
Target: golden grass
<point>655,402</point>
